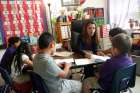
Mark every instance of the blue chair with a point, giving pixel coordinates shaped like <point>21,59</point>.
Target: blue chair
<point>8,81</point>
<point>39,85</point>
<point>123,80</point>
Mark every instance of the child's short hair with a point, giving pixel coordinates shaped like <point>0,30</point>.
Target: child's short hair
<point>122,42</point>
<point>13,40</point>
<point>116,31</point>
<point>44,40</point>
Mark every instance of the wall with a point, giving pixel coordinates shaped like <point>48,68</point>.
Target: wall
<point>97,4</point>
<point>56,5</point>
<point>94,3</point>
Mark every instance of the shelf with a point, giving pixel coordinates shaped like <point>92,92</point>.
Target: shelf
<point>138,32</point>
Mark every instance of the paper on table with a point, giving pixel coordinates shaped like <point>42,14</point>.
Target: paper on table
<point>102,58</point>
<point>59,61</point>
<point>83,61</point>
<point>63,54</point>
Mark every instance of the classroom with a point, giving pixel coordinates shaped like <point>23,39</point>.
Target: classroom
<point>69,46</point>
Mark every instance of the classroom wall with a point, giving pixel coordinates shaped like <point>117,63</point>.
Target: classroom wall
<point>97,4</point>
<point>94,3</point>
<point>56,5</point>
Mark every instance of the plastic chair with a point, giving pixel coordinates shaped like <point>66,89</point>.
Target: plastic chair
<point>39,85</point>
<point>8,81</point>
<point>123,80</point>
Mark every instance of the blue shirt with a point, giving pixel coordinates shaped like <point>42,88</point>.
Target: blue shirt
<point>107,69</point>
<point>7,58</point>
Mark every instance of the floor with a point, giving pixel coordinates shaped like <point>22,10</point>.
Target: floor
<point>136,89</point>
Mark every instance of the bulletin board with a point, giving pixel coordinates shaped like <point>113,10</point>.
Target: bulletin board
<point>21,18</point>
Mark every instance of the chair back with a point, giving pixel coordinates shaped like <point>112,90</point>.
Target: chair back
<point>74,40</point>
<point>5,76</point>
<point>38,83</point>
<point>124,78</point>
<point>77,26</point>
<point>6,88</point>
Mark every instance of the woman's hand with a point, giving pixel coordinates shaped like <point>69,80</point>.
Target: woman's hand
<point>87,54</point>
<point>100,53</point>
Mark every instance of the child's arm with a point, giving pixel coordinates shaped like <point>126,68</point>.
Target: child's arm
<point>97,75</point>
<point>64,73</point>
<point>26,60</point>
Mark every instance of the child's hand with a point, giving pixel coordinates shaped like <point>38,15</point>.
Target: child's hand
<point>60,65</point>
<point>68,65</point>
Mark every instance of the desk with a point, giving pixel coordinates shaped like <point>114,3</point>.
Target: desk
<point>75,59</point>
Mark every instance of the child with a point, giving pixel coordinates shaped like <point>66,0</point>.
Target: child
<point>7,59</point>
<point>113,32</point>
<point>52,74</point>
<point>121,45</point>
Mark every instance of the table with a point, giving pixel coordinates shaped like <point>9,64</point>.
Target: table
<point>77,60</point>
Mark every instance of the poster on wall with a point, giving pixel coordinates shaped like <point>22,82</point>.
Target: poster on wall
<point>22,17</point>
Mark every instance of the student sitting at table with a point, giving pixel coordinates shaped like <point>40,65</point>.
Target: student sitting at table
<point>113,32</point>
<point>52,74</point>
<point>8,57</point>
<point>121,45</point>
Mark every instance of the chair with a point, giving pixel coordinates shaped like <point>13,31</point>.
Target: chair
<point>74,40</point>
<point>123,80</point>
<point>136,59</point>
<point>39,85</point>
<point>5,76</point>
<point>77,26</point>
<point>8,81</point>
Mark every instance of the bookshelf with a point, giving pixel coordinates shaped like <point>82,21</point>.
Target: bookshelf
<point>97,14</point>
<point>136,36</point>
<point>62,30</point>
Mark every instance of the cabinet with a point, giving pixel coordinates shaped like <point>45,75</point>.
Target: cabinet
<point>62,31</point>
<point>136,37</point>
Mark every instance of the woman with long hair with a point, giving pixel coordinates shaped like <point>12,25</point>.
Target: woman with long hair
<point>87,44</point>
<point>88,38</point>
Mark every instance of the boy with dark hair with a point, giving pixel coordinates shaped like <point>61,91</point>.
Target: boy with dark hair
<point>113,32</point>
<point>116,31</point>
<point>45,66</point>
<point>121,45</point>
